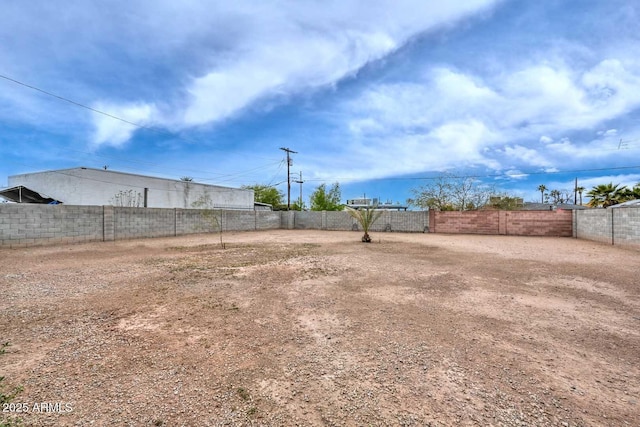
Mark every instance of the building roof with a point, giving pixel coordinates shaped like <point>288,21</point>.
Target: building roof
<point>68,171</point>
<point>630,204</point>
<point>22,194</point>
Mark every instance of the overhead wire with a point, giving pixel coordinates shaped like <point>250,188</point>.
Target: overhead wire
<point>173,135</point>
<point>97,111</point>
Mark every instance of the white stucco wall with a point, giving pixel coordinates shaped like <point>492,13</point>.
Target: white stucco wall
<point>87,186</point>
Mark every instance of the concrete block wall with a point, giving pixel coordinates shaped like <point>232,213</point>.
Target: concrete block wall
<point>133,223</point>
<point>618,226</point>
<point>311,220</point>
<point>267,220</point>
<point>626,226</point>
<point>518,223</point>
<point>595,225</point>
<point>469,222</point>
<point>29,225</point>
<point>190,221</point>
<point>238,220</point>
<point>539,223</point>
<point>401,221</point>
<point>338,221</point>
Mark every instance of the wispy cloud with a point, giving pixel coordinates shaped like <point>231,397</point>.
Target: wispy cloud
<point>465,119</point>
<point>364,90</point>
<point>117,132</point>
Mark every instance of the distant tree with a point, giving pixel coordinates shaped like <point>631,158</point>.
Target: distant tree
<point>366,217</point>
<point>632,193</point>
<point>559,197</point>
<point>266,194</point>
<point>186,178</point>
<point>298,205</point>
<point>437,195</point>
<point>580,190</point>
<point>448,193</point>
<point>606,195</point>
<point>542,188</point>
<point>326,200</point>
<point>506,203</point>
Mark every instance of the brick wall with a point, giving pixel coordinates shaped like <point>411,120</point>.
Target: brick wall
<point>471,222</point>
<point>539,223</point>
<point>518,223</point>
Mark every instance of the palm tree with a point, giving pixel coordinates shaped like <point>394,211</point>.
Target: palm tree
<point>542,188</point>
<point>605,195</point>
<point>580,190</point>
<point>366,218</point>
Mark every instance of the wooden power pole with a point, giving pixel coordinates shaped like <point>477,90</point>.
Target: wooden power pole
<point>289,163</point>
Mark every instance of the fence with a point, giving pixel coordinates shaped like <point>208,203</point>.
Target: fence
<point>30,224</point>
<point>27,224</point>
<point>616,226</point>
<point>518,223</point>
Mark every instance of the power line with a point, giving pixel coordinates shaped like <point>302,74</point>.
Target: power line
<point>62,98</point>
<point>78,104</point>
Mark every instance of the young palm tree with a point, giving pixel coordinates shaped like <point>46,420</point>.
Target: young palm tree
<point>605,195</point>
<point>542,188</point>
<point>366,218</point>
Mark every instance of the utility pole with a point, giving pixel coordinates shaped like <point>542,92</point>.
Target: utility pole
<point>289,162</point>
<point>300,181</point>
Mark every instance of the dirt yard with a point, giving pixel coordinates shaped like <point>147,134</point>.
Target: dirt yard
<point>316,328</point>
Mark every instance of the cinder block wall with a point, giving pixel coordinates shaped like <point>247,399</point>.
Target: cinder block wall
<point>28,225</point>
<point>626,226</point>
<point>133,223</point>
<point>310,220</point>
<point>539,223</point>
<point>238,220</point>
<point>518,223</point>
<point>470,222</point>
<point>619,226</point>
<point>338,221</point>
<point>267,220</point>
<point>413,222</point>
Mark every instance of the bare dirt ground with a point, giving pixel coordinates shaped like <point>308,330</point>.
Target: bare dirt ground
<point>317,328</point>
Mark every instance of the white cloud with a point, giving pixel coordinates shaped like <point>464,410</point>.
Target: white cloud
<point>545,139</point>
<point>478,120</point>
<point>109,131</point>
<point>608,133</point>
<point>527,156</point>
<point>294,48</point>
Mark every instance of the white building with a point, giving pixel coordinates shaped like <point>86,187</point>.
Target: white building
<point>88,186</point>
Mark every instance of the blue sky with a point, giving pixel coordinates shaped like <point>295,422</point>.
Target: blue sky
<point>378,96</point>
